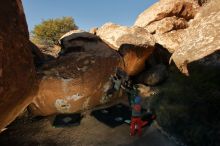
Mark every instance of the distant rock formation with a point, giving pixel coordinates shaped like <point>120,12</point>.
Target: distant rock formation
<point>135,44</point>
<point>166,20</point>
<point>17,72</point>
<point>78,79</point>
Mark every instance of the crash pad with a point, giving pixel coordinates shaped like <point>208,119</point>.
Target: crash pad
<point>113,116</point>
<point>67,120</point>
<point>119,114</point>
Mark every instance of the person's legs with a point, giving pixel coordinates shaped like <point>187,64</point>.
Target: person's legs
<point>132,127</point>
<point>139,123</point>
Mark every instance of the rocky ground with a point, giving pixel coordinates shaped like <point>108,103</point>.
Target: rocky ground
<point>91,132</point>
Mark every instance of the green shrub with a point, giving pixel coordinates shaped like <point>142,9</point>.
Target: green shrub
<point>49,31</point>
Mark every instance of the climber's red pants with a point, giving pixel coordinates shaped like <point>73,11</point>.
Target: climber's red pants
<point>136,122</point>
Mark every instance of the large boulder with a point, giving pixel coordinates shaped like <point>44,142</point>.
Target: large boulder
<point>202,38</point>
<point>167,24</point>
<point>17,72</point>
<point>170,40</point>
<point>154,75</point>
<point>135,44</point>
<point>185,9</point>
<point>81,41</point>
<point>166,20</point>
<point>79,78</point>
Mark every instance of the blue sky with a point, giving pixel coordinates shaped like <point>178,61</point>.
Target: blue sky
<point>86,13</point>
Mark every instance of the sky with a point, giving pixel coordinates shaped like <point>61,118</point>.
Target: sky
<point>86,13</point>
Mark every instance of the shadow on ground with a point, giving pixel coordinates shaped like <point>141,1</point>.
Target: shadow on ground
<point>39,132</point>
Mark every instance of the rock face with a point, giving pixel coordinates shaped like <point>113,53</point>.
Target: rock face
<point>52,51</point>
<point>167,24</point>
<point>145,91</point>
<point>166,19</point>
<point>187,28</point>
<point>38,56</point>
<point>78,79</point>
<point>17,72</point>
<point>202,2</point>
<point>202,38</point>
<point>81,41</point>
<point>154,75</point>
<point>167,8</point>
<point>135,44</point>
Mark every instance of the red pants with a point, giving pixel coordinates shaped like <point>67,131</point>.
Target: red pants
<point>136,122</point>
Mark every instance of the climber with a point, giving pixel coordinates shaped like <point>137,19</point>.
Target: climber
<point>135,104</point>
<point>136,121</point>
<point>131,93</point>
<point>117,82</point>
<point>115,85</point>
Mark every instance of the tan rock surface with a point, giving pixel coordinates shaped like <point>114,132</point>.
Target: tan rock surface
<point>171,40</point>
<point>52,51</point>
<point>167,19</point>
<point>145,91</point>
<point>166,25</point>
<point>166,8</point>
<point>135,44</point>
<point>202,38</point>
<point>116,35</point>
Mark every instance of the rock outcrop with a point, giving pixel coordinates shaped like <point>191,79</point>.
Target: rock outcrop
<point>202,38</point>
<point>38,56</point>
<point>135,44</point>
<point>187,28</point>
<point>202,2</point>
<point>166,25</point>
<point>17,72</point>
<point>79,78</point>
<point>81,41</point>
<point>166,19</point>
<point>154,75</point>
<point>146,91</point>
<point>167,8</point>
<point>52,51</point>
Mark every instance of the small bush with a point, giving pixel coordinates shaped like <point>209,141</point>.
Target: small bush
<point>49,31</point>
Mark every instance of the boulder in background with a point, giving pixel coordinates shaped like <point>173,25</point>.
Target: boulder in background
<point>135,44</point>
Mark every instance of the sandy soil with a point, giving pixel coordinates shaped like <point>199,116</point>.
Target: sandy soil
<point>40,132</point>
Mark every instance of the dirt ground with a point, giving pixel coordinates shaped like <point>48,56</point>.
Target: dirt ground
<point>91,132</point>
